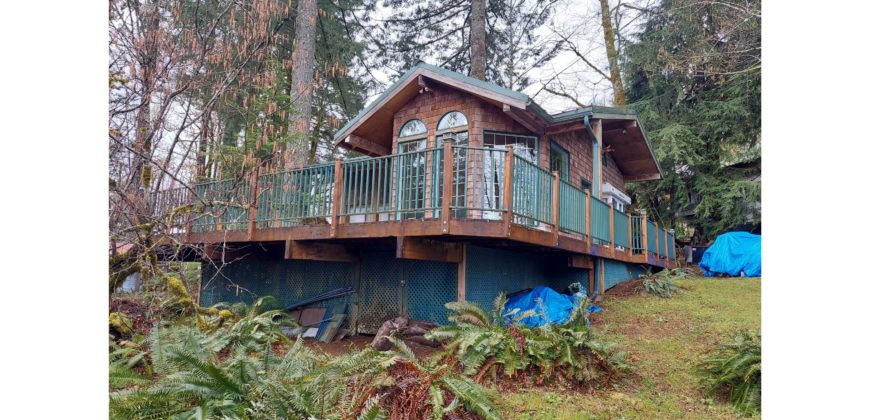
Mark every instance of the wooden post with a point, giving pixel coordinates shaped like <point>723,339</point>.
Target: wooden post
<point>600,280</point>
<point>508,197</point>
<point>630,249</point>
<point>338,185</point>
<point>252,210</point>
<point>658,252</point>
<point>556,208</point>
<point>447,189</point>
<point>588,220</point>
<point>612,239</point>
<point>644,241</point>
<point>460,278</point>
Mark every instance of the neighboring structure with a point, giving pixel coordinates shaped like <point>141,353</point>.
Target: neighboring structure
<point>526,199</point>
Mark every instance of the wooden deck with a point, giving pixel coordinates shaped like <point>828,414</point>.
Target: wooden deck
<point>426,209</point>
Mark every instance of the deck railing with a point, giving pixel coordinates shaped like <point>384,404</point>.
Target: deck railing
<point>483,183</point>
<point>294,197</point>
<point>620,229</point>
<point>572,208</point>
<point>533,193</point>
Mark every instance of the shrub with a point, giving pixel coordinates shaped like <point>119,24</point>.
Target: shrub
<point>735,369</point>
<point>483,343</point>
<point>663,284</point>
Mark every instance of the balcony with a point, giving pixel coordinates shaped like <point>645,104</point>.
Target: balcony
<point>489,193</point>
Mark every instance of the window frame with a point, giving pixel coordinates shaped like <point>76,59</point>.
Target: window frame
<point>567,155</point>
<point>400,138</point>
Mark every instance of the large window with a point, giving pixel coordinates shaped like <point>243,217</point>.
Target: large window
<point>454,125</point>
<point>525,146</point>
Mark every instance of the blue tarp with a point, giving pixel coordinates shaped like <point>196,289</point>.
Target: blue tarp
<point>733,253</point>
<point>550,305</point>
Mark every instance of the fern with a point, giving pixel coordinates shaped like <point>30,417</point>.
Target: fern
<point>736,368</point>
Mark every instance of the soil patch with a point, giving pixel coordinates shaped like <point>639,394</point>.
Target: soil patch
<point>626,288</point>
<point>140,315</point>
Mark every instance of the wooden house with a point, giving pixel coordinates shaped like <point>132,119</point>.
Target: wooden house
<point>464,189</point>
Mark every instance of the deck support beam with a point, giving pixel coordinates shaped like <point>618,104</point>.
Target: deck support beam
<point>414,248</point>
<point>318,251</point>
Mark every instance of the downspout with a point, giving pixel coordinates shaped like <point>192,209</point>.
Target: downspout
<point>596,158</point>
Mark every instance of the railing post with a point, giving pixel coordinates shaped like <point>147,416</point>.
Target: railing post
<point>588,220</point>
<point>630,250</point>
<point>252,209</point>
<point>556,207</point>
<point>658,251</point>
<point>508,197</point>
<point>612,238</point>
<point>338,185</point>
<point>447,186</point>
<point>644,238</point>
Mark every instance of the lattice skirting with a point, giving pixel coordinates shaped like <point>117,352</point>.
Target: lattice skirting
<point>388,287</point>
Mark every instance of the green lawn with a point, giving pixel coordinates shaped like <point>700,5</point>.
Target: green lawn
<point>666,338</point>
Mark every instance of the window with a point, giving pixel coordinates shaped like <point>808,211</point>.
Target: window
<point>560,160</point>
<point>525,146</point>
<point>585,184</point>
<point>454,125</point>
<point>452,119</point>
<point>412,128</point>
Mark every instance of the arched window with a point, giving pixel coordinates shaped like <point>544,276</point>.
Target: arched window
<point>452,119</point>
<point>412,128</point>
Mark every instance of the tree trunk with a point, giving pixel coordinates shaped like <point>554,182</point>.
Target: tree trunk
<point>140,176</point>
<point>477,42</point>
<point>610,43</point>
<point>302,84</point>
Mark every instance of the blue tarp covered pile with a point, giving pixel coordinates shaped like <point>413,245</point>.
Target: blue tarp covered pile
<point>733,253</point>
<point>550,306</point>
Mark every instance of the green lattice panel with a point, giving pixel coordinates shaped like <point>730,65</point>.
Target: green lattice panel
<point>380,290</point>
<point>428,286</point>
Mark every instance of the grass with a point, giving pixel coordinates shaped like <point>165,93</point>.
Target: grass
<point>666,339</point>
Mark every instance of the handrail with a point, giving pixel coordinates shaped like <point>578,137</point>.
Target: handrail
<point>410,185</point>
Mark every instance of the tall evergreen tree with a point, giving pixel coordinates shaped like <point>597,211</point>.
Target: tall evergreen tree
<point>447,32</point>
<point>695,76</point>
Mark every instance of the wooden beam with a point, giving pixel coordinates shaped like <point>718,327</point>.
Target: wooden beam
<point>588,219</point>
<point>447,187</point>
<point>612,238</point>
<point>460,275</point>
<point>556,182</point>
<point>580,261</point>
<point>508,198</point>
<point>317,251</point>
<point>358,142</point>
<point>252,210</point>
<point>644,239</point>
<point>413,248</point>
<point>338,179</point>
<point>565,128</point>
<point>600,296</point>
<point>643,177</point>
<point>524,119</point>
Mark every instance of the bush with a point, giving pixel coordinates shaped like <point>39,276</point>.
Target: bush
<point>484,344</point>
<point>663,284</point>
<point>232,370</point>
<point>735,370</point>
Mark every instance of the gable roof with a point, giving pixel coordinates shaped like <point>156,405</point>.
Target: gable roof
<point>372,127</point>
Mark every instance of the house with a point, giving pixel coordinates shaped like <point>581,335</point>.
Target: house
<point>463,189</point>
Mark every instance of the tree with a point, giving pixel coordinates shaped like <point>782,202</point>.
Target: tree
<point>477,39</point>
<point>502,37</point>
<point>613,64</point>
<point>695,76</point>
<point>302,87</point>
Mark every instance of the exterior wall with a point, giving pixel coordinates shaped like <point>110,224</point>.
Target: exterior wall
<point>386,287</point>
<point>430,106</point>
<point>616,272</point>
<point>490,271</point>
<point>482,116</point>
